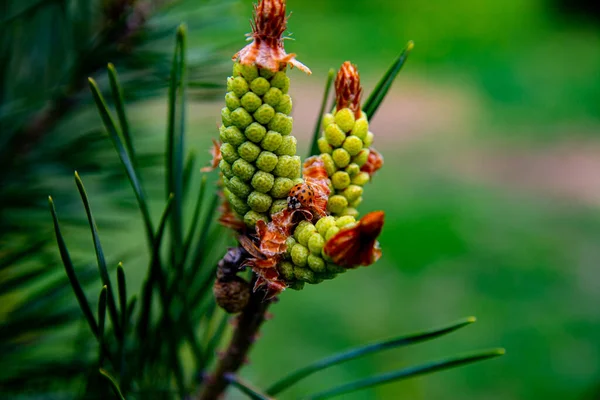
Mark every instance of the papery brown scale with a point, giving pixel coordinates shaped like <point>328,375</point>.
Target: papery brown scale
<point>215,151</point>
<point>266,49</point>
<point>347,88</point>
<point>357,245</point>
<point>374,162</point>
<point>228,219</point>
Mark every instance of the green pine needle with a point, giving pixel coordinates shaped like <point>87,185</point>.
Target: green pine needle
<point>372,104</point>
<point>119,99</point>
<point>70,270</point>
<point>362,351</point>
<point>314,147</point>
<point>175,142</point>
<point>113,384</point>
<point>409,372</point>
<point>112,305</point>
<point>130,169</point>
<point>102,320</point>
<point>246,388</point>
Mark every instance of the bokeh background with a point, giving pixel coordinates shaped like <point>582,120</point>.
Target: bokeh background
<point>491,188</point>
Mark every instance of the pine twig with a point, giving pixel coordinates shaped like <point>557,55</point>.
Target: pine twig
<point>248,323</point>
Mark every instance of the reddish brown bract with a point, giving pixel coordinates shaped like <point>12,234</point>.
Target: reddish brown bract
<point>374,162</point>
<point>228,219</point>
<point>215,151</point>
<point>266,49</point>
<point>357,245</point>
<point>347,88</point>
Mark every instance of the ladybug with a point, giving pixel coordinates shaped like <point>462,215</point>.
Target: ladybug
<point>301,195</point>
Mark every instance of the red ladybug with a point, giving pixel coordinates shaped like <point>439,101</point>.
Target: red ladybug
<point>301,195</point>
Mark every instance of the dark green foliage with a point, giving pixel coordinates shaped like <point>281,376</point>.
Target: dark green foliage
<point>135,352</point>
<point>48,49</point>
<point>148,358</point>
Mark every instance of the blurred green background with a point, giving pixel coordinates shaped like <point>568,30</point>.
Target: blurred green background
<point>491,190</point>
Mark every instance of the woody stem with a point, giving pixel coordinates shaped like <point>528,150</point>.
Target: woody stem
<point>244,335</point>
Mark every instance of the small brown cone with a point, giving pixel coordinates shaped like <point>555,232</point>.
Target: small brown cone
<point>232,294</point>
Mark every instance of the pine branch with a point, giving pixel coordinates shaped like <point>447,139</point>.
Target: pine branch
<point>244,335</point>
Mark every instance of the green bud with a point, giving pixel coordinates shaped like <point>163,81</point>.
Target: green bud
<point>232,101</point>
<point>264,114</point>
<point>278,205</point>
<point>284,167</point>
<point>302,225</point>
<point>369,139</point>
<point>230,84</point>
<point>316,243</point>
<point>281,187</point>
<point>263,181</point>
<point>251,217</point>
<point>271,141</point>
<point>222,133</point>
<point>297,168</point>
<point>336,269</point>
<point>352,169</point>
<point>226,168</point>
<point>341,157</point>
<point>288,146</point>
<point>328,164</point>
<point>228,153</point>
<point>239,188</point>
<point>273,97</point>
<point>344,221</point>
<point>304,274</point>
<point>250,102</point>
<point>286,269</point>
<point>296,285</point>
<point>306,231</point>
<point>353,192</point>
<point>336,203</point>
<point>355,203</point>
<point>237,69</point>
<point>297,181</point>
<point>239,86</point>
<point>353,145</point>
<point>266,161</point>
<point>325,223</point>
<point>328,119</point>
<point>255,132</point>
<point>316,263</point>
<point>281,123</point>
<point>259,202</point>
<point>361,127</point>
<point>243,169</point>
<point>361,179</point>
<point>285,105</point>
<point>299,255</point>
<point>226,116</point>
<point>249,151</point>
<point>281,81</point>
<point>233,136</point>
<point>266,73</point>
<point>361,158</point>
<point>344,118</point>
<point>238,205</point>
<point>331,232</point>
<point>334,135</point>
<point>289,243</point>
<point>340,180</point>
<point>324,146</point>
<point>249,71</point>
<point>350,211</point>
<point>260,86</point>
<point>326,274</point>
<point>241,118</point>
